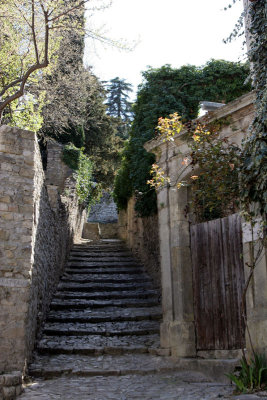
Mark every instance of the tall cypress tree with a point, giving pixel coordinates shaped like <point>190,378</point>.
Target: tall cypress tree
<point>118,104</point>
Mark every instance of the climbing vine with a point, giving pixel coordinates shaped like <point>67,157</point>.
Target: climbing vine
<point>88,191</point>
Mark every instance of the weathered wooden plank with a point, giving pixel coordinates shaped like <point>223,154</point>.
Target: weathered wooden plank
<point>237,250</point>
<point>230,316</point>
<point>218,281</point>
<point>208,323</point>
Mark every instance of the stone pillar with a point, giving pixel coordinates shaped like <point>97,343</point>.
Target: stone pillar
<point>166,267</point>
<point>256,300</point>
<point>177,328</point>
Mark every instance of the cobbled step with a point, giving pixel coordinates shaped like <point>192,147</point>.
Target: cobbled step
<point>111,314</point>
<point>148,294</point>
<point>100,271</point>
<point>105,365</point>
<point>110,254</point>
<point>128,328</point>
<point>109,287</point>
<point>95,278</point>
<point>103,247</point>
<point>96,344</point>
<point>87,264</point>
<point>60,304</point>
<point>106,260</point>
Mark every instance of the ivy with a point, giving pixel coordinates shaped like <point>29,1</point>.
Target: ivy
<point>88,191</point>
<point>254,172</point>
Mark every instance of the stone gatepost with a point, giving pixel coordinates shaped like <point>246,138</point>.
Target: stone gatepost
<point>177,328</point>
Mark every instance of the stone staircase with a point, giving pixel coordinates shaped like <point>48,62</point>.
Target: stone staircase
<point>104,318</point>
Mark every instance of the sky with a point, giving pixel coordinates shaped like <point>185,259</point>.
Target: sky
<point>176,32</point>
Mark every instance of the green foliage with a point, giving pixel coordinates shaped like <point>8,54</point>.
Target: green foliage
<point>118,105</point>
<point>214,165</point>
<point>253,177</point>
<point>250,376</point>
<point>87,190</point>
<point>122,185</point>
<point>165,91</point>
<point>71,156</point>
<point>215,189</point>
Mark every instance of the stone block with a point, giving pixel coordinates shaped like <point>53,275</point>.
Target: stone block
<point>12,379</point>
<point>165,335</point>
<point>19,390</point>
<point>182,339</point>
<point>4,235</point>
<point>5,199</point>
<point>91,231</point>
<point>3,207</point>
<point>108,231</point>
<point>220,354</point>
<point>9,392</point>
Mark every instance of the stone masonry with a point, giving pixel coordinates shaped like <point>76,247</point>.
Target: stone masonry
<point>105,211</point>
<point>35,237</point>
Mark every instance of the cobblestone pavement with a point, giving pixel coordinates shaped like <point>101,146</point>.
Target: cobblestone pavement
<point>174,386</point>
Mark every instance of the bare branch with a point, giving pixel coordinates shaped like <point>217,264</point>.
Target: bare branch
<point>33,33</point>
<point>10,85</point>
<point>66,12</point>
<point>20,92</point>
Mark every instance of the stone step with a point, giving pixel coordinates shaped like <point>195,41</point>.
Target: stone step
<point>102,259</point>
<point>109,287</point>
<point>140,294</point>
<point>101,247</point>
<point>108,270</point>
<point>96,344</point>
<point>96,254</point>
<point>61,304</point>
<point>128,328</point>
<point>103,278</point>
<point>109,314</point>
<point>87,264</point>
<point>53,366</point>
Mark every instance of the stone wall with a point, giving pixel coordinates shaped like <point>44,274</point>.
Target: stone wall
<point>105,211</point>
<point>178,329</point>
<point>35,238</point>
<point>142,237</point>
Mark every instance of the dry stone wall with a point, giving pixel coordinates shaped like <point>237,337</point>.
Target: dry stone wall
<point>35,238</point>
<point>105,211</point>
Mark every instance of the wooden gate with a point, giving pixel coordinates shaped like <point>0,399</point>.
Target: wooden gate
<point>218,281</point>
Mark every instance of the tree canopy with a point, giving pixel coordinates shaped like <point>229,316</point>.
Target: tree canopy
<point>118,104</point>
